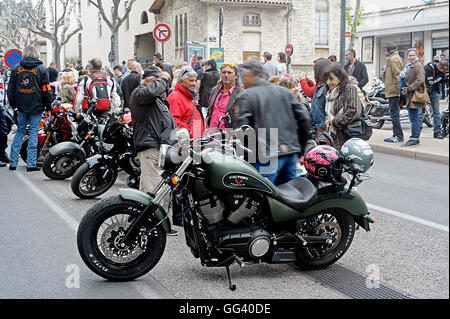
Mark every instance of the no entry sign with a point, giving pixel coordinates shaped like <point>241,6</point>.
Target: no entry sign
<point>13,57</point>
<point>289,50</point>
<point>162,32</point>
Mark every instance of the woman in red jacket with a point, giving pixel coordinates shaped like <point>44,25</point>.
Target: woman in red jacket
<point>308,86</point>
<point>184,110</point>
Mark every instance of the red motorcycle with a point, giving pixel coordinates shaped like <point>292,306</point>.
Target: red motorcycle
<point>55,129</point>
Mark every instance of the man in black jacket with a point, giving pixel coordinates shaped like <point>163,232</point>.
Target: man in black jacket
<point>435,74</point>
<point>355,68</point>
<point>282,124</point>
<point>131,82</point>
<point>209,80</point>
<point>28,91</point>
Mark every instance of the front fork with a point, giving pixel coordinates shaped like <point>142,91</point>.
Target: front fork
<point>160,191</point>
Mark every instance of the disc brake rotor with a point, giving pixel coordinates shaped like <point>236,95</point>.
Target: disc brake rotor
<point>110,243</point>
<point>329,229</point>
<point>64,164</point>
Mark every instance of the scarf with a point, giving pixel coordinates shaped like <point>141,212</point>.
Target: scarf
<point>332,96</point>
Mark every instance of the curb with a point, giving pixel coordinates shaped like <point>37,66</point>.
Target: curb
<point>411,153</point>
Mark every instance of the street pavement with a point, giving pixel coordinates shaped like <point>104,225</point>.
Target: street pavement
<point>40,217</point>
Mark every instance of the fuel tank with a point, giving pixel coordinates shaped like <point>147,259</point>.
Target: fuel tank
<point>230,173</point>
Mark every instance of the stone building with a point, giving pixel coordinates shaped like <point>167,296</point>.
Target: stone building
<point>251,27</point>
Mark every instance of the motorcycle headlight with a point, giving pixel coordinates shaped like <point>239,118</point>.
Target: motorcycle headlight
<point>163,150</point>
<point>168,157</point>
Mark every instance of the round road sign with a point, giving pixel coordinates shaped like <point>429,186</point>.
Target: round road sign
<point>13,57</point>
<point>162,32</point>
<point>289,50</point>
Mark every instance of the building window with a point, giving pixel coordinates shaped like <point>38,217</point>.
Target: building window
<point>181,30</point>
<point>321,22</point>
<point>100,31</point>
<point>144,18</point>
<point>252,19</point>
<point>176,31</point>
<point>185,27</point>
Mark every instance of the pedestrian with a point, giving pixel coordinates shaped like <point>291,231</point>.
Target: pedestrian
<point>292,85</point>
<point>270,68</point>
<point>445,82</point>
<point>209,80</point>
<point>95,84</point>
<point>356,68</point>
<point>223,96</point>
<point>274,80</point>
<point>152,127</point>
<point>394,66</point>
<point>344,105</point>
<point>435,74</point>
<point>53,72</point>
<point>332,59</point>
<point>124,67</point>
<point>127,68</point>
<point>4,159</point>
<point>282,64</point>
<point>198,63</point>
<point>131,82</point>
<point>319,99</point>
<point>118,74</point>
<point>28,91</point>
<point>182,106</point>
<point>157,57</point>
<point>267,107</point>
<point>67,90</point>
<point>415,87</point>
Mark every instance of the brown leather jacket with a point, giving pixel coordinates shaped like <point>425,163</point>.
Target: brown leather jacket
<point>416,79</point>
<point>394,67</point>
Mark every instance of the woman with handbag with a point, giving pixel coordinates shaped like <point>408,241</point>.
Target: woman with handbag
<point>344,104</point>
<point>416,96</point>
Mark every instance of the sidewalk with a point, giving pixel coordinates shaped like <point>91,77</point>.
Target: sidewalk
<point>430,149</point>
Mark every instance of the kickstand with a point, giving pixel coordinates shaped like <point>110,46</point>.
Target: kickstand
<point>231,286</point>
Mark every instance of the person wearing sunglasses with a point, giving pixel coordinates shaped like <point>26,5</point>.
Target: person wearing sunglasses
<point>223,96</point>
<point>184,109</point>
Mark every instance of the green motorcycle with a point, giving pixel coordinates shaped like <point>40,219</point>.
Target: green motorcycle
<point>230,212</point>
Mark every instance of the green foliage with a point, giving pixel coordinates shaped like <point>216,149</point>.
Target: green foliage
<point>354,19</point>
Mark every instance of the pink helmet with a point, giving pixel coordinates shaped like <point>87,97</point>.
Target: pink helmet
<point>322,163</point>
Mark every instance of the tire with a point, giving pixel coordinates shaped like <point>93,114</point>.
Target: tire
<point>94,257</point>
<point>9,125</point>
<point>378,124</point>
<point>24,150</point>
<point>346,222</point>
<point>84,172</point>
<point>428,117</point>
<point>62,166</point>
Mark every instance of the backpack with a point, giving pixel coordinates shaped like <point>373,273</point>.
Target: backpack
<point>98,91</point>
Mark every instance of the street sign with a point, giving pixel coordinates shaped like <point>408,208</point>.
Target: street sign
<point>162,32</point>
<point>13,57</point>
<point>289,50</point>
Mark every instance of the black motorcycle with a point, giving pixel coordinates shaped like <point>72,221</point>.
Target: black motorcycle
<point>444,121</point>
<point>65,158</point>
<point>99,173</point>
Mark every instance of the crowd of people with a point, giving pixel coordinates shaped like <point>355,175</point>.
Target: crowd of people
<point>197,96</point>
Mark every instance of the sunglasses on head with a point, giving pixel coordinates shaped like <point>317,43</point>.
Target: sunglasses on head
<point>229,64</point>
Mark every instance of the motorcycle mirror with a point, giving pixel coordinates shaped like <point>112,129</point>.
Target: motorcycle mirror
<point>182,135</point>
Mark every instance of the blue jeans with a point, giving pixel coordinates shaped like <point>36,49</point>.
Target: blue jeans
<point>394,114</point>
<point>415,117</point>
<point>3,131</point>
<point>279,171</point>
<point>23,121</point>
<point>435,97</point>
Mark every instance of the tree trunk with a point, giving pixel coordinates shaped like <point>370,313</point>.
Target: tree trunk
<point>353,35</point>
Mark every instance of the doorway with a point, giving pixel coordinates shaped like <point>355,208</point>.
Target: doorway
<point>145,47</point>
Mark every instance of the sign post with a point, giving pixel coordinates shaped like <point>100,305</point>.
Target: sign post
<point>289,52</point>
<point>162,34</point>
<point>12,58</point>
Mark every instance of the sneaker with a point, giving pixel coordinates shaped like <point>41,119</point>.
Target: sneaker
<point>438,136</point>
<point>12,168</point>
<point>411,142</point>
<point>4,157</point>
<point>2,164</point>
<point>172,233</point>
<point>33,169</point>
<point>393,139</point>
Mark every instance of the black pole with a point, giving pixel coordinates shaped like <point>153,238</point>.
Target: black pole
<point>343,27</point>
<point>56,34</point>
<point>220,26</point>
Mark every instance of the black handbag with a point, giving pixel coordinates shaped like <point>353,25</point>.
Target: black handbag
<point>359,129</point>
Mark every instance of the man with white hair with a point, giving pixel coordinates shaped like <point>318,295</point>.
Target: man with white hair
<point>28,91</point>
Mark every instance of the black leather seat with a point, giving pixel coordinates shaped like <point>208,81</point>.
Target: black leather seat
<point>297,193</point>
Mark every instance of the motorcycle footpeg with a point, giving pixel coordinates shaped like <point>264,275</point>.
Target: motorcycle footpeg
<point>239,261</point>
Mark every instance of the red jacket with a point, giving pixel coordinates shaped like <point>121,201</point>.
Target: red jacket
<point>182,108</point>
<point>308,87</point>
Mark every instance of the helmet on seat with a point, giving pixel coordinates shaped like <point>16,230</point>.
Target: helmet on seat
<point>358,156</point>
<point>323,163</point>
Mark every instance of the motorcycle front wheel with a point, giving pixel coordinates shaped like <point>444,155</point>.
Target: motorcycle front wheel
<point>101,231</point>
<point>90,182</point>
<point>428,116</point>
<point>337,224</point>
<point>62,166</point>
<point>24,151</point>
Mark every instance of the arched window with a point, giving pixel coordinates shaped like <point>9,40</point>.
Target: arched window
<point>252,19</point>
<point>321,22</point>
<point>144,18</point>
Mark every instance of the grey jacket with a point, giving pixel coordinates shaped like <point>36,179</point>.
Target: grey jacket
<point>268,106</point>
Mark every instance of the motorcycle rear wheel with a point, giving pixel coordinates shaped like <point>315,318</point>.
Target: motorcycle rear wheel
<point>378,124</point>
<point>61,167</point>
<point>337,223</point>
<point>428,116</point>
<point>100,251</point>
<point>88,182</point>
<point>24,151</point>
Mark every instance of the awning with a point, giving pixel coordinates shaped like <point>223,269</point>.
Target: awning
<point>277,3</point>
<point>157,6</point>
<point>404,27</point>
